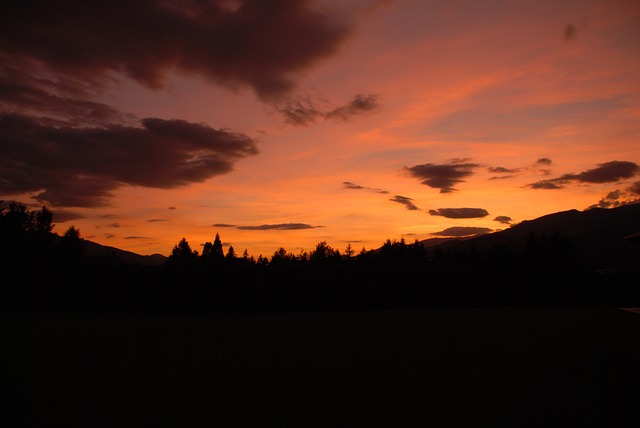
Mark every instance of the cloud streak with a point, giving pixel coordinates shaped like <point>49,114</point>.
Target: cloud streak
<point>353,186</point>
<point>279,226</point>
<point>460,212</point>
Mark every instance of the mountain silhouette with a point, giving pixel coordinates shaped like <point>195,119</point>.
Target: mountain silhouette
<point>604,237</point>
<point>93,249</point>
<point>96,251</point>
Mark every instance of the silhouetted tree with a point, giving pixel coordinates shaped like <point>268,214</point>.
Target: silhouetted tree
<point>26,235</point>
<point>231,253</point>
<point>213,253</point>
<point>281,258</point>
<point>323,253</point>
<point>72,246</point>
<point>262,261</point>
<point>182,254</point>
<point>349,251</point>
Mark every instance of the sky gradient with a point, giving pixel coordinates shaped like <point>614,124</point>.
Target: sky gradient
<point>287,122</point>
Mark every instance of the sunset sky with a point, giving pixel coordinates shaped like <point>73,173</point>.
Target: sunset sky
<point>288,122</point>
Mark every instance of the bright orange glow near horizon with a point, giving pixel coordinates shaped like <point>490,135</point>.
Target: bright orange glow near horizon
<point>345,122</point>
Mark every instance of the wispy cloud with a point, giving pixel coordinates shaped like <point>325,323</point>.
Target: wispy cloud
<point>358,105</point>
<point>353,186</point>
<point>407,202</point>
<point>279,226</point>
<point>502,170</point>
<point>303,111</point>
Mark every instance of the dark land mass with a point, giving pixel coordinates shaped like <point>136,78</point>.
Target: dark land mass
<point>482,367</point>
<point>570,258</point>
<point>516,328</point>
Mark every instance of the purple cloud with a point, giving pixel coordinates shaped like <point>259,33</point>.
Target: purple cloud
<point>264,45</point>
<point>71,166</point>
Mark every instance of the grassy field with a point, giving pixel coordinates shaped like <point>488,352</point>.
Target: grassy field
<point>450,367</point>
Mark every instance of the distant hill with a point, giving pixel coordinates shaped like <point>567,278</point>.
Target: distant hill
<point>93,249</point>
<point>434,242</point>
<point>97,250</point>
<point>606,237</point>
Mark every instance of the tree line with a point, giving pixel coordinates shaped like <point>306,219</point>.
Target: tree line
<point>55,272</point>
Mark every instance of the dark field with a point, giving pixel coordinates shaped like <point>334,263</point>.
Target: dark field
<point>449,367</point>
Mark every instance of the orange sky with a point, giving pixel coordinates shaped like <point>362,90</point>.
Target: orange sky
<point>519,109</point>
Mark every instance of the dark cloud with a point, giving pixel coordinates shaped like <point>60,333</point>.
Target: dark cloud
<point>543,162</point>
<point>503,219</point>
<point>543,165</point>
<point>352,186</point>
<point>460,212</point>
<point>443,176</point>
<point>545,185</point>
<point>156,220</point>
<point>62,216</point>
<point>71,166</point>
<point>506,173</point>
<point>280,226</point>
<point>224,225</point>
<point>303,111</point>
<point>407,202</point>
<point>502,170</point>
<point>56,101</point>
<point>569,32</point>
<point>618,198</point>
<point>608,172</point>
<point>359,104</point>
<point>461,231</point>
<point>264,45</point>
